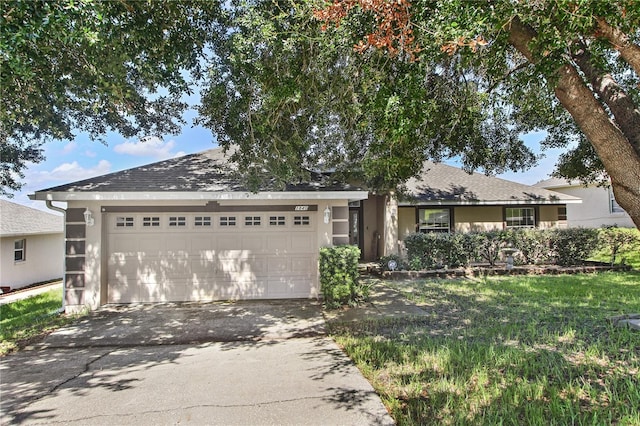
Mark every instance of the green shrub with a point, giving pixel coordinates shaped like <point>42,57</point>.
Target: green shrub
<point>435,250</point>
<point>339,275</point>
<point>572,246</point>
<point>533,245</point>
<point>486,246</point>
<point>562,246</point>
<point>614,240</point>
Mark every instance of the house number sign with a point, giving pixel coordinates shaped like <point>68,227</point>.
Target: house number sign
<point>302,208</point>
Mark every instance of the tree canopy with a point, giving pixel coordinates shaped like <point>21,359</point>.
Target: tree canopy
<point>382,86</point>
<point>95,66</point>
<point>368,88</point>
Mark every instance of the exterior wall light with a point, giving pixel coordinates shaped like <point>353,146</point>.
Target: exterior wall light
<point>88,217</point>
<point>327,214</point>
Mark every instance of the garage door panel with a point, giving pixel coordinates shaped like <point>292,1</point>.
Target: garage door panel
<point>303,243</point>
<point>253,243</point>
<point>228,242</point>
<point>211,263</point>
<point>278,243</point>
<point>202,245</point>
<point>302,265</point>
<point>278,265</point>
<point>124,244</point>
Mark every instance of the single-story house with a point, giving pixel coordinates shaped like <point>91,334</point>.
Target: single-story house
<point>187,229</point>
<point>599,207</point>
<point>31,245</point>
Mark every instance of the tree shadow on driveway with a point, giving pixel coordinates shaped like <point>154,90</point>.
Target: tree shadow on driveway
<point>156,363</point>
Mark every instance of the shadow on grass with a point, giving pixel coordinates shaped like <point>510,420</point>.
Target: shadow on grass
<point>507,351</point>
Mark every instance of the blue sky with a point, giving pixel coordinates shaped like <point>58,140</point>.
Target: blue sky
<point>69,161</point>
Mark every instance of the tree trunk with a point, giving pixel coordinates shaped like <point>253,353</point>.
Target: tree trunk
<point>629,51</point>
<point>620,159</point>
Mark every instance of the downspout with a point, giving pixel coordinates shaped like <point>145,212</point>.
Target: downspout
<point>64,269</point>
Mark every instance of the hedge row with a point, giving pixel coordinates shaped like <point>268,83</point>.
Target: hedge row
<point>566,247</point>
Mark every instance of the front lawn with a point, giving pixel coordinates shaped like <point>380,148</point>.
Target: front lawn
<point>515,350</point>
<point>29,319</point>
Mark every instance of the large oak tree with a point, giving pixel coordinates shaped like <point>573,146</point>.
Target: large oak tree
<point>387,85</point>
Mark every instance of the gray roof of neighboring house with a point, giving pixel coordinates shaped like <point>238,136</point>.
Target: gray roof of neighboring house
<point>207,171</point>
<point>443,184</point>
<point>18,220</point>
<point>558,183</point>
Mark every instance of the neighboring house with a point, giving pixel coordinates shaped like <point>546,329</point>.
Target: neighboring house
<point>32,245</point>
<point>187,229</point>
<point>599,207</point>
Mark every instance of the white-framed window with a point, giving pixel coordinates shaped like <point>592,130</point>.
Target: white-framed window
<point>150,221</point>
<point>202,221</point>
<point>277,221</point>
<point>434,220</point>
<point>301,220</point>
<point>520,217</point>
<point>614,207</point>
<point>20,250</point>
<point>124,222</point>
<point>175,221</point>
<point>252,220</point>
<point>227,221</point>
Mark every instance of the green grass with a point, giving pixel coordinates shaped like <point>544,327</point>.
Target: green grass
<point>522,350</point>
<point>25,320</point>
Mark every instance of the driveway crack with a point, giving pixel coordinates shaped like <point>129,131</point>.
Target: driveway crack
<point>182,408</point>
<point>87,365</point>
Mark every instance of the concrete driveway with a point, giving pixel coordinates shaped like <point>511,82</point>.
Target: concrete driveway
<point>216,363</point>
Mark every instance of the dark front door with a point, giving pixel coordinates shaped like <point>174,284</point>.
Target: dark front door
<point>355,228</point>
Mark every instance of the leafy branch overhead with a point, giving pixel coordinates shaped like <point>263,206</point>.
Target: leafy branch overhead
<point>95,66</point>
<point>369,89</point>
<point>582,57</point>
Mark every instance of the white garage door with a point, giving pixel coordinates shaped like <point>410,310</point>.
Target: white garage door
<point>219,256</point>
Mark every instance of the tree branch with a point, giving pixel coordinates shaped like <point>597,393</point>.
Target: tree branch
<point>629,51</point>
<point>626,114</point>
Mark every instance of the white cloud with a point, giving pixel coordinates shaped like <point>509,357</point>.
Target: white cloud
<point>66,172</point>
<point>152,147</point>
<point>90,154</point>
<point>71,146</point>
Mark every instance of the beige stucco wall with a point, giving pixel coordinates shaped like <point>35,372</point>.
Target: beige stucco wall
<point>481,218</point>
<point>549,218</point>
<point>594,210</point>
<point>44,257</point>
<point>95,291</point>
<point>406,221</point>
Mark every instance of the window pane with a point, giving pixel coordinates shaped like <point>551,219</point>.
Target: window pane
<point>520,217</point>
<point>19,250</point>
<point>277,221</point>
<point>434,220</point>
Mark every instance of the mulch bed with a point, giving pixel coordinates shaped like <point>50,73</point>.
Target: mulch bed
<point>499,269</point>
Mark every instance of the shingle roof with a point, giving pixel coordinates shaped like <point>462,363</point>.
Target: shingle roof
<point>556,183</point>
<point>446,184</point>
<point>207,171</point>
<point>17,220</point>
